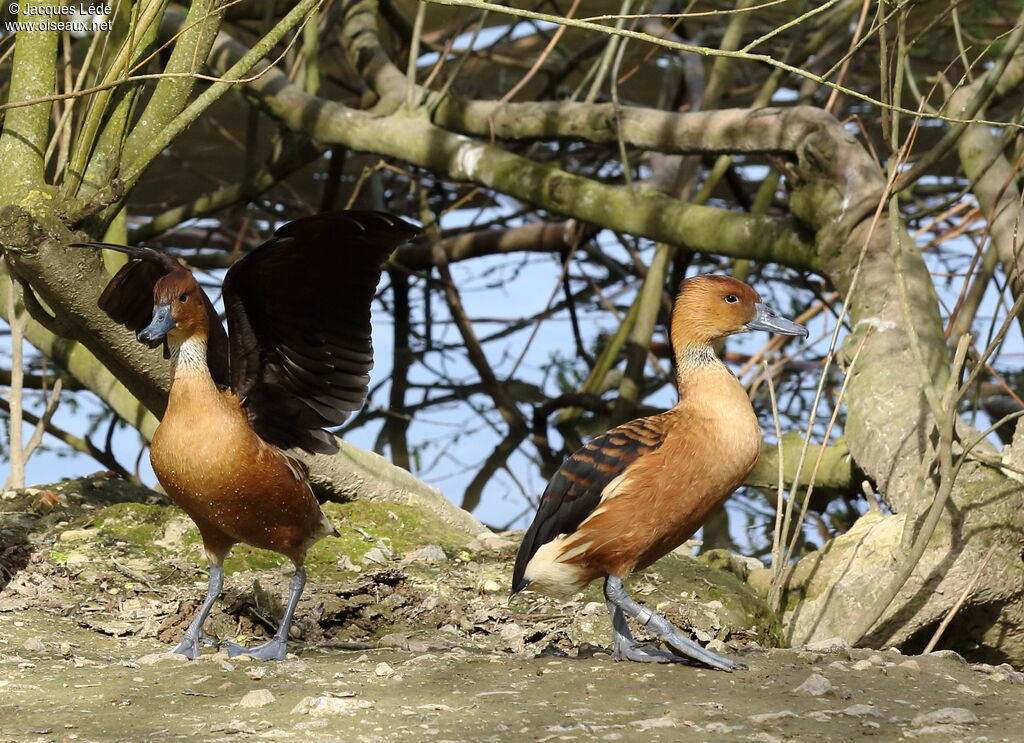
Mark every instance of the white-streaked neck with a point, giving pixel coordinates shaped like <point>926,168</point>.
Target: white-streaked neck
<point>696,356</point>
<point>189,356</point>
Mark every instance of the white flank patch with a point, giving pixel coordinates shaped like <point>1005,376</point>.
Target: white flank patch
<point>547,572</point>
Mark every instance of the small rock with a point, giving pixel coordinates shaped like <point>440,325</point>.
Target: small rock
<point>383,670</point>
<point>949,654</point>
<point>233,728</point>
<point>945,716</point>
<point>656,722</point>
<point>816,685</point>
<point>427,553</point>
<point>345,563</point>
<point>377,555</point>
<point>876,660</point>
<point>911,665</point>
<point>769,718</point>
<point>965,689</point>
<point>513,637</point>
<point>863,665</point>
<point>717,646</point>
<point>34,644</point>
<point>863,710</point>
<point>322,706</point>
<point>487,541</point>
<point>830,645</point>
<point>837,666</point>
<point>491,586</point>
<point>256,673</point>
<point>74,534</point>
<point>148,660</point>
<point>257,698</point>
<point>394,640</point>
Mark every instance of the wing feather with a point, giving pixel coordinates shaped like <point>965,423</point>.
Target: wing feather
<point>298,310</point>
<point>580,483</point>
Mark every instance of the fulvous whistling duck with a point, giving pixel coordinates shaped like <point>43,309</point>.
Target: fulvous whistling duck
<point>635,493</point>
<point>296,360</point>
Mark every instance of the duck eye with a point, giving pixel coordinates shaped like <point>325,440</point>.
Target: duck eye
<point>731,298</point>
<point>183,298</point>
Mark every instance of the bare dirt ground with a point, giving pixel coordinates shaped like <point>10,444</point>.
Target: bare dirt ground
<point>405,635</point>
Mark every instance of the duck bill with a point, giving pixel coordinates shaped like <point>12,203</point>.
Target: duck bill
<point>161,324</point>
<point>766,319</point>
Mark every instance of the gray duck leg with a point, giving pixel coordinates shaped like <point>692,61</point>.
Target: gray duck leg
<point>277,647</point>
<point>620,605</point>
<point>191,643</point>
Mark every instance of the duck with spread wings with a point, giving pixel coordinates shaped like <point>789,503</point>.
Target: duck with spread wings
<point>296,359</point>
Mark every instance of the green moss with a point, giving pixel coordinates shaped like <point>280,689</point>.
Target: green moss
<point>135,523</point>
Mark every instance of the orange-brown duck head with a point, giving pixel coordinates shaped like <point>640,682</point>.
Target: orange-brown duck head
<point>711,307</point>
<point>179,310</point>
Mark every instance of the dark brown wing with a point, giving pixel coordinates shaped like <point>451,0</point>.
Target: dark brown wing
<point>298,309</point>
<point>576,489</point>
<point>128,299</point>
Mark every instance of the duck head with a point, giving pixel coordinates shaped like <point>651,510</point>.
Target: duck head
<point>179,310</point>
<point>711,307</point>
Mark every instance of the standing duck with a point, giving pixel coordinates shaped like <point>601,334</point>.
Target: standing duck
<point>297,359</point>
<point>635,493</point>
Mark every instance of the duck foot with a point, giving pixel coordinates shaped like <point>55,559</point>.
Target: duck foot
<point>274,649</point>
<point>194,638</point>
<point>190,646</point>
<point>277,647</point>
<point>640,654</point>
<point>624,647</point>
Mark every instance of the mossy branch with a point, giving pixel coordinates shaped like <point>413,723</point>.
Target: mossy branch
<point>25,130</point>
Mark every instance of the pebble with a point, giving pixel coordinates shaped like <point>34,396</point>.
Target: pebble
<point>863,665</point>
<point>949,654</point>
<point>863,710</point>
<point>717,646</point>
<point>491,586</point>
<point>427,553</point>
<point>876,660</point>
<point>323,706</point>
<point>771,717</point>
<point>945,716</point>
<point>383,670</point>
<point>151,658</point>
<point>71,535</point>
<point>256,672</point>
<point>830,645</point>
<point>34,644</point>
<point>816,685</point>
<point>377,555</point>
<point>257,698</point>
<point>911,665</point>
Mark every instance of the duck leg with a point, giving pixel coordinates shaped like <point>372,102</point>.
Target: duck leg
<point>190,645</point>
<point>620,605</point>
<point>277,647</point>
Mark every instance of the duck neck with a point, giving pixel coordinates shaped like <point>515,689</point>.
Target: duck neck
<point>189,357</point>
<point>695,360</point>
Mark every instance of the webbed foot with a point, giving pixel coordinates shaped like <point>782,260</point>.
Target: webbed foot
<point>273,649</point>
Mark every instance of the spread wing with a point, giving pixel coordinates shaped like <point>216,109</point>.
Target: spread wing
<point>578,486</point>
<point>128,299</point>
<point>298,310</point>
